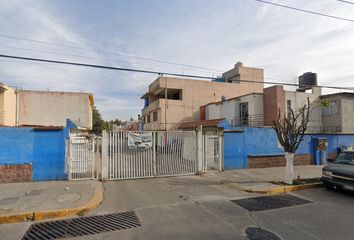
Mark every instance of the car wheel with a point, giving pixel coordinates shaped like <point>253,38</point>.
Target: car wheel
<point>329,187</point>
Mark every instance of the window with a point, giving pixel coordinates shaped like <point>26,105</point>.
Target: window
<point>173,94</point>
<point>154,116</point>
<point>331,110</point>
<point>148,118</point>
<point>288,108</point>
<point>244,114</point>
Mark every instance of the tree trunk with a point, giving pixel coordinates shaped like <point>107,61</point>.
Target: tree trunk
<point>289,169</point>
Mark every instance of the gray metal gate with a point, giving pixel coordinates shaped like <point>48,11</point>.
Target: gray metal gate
<point>212,153</point>
<point>80,159</point>
<point>143,154</point>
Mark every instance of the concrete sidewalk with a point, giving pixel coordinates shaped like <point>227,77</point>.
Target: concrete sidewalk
<point>259,180</point>
<point>41,200</point>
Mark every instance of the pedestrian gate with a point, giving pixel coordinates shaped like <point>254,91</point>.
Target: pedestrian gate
<point>212,153</point>
<point>143,154</point>
<point>80,160</point>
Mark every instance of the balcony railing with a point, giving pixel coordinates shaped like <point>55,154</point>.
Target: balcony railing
<point>259,120</point>
<point>256,120</point>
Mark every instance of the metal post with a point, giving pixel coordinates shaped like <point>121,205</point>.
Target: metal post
<point>104,157</point>
<point>154,146</point>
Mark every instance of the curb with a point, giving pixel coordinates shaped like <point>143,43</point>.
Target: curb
<point>275,190</point>
<point>55,213</point>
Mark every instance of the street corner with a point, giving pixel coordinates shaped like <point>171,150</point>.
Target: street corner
<point>73,200</point>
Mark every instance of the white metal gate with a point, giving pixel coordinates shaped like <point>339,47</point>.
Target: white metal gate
<point>143,154</point>
<point>212,153</point>
<point>128,162</point>
<point>176,153</point>
<point>80,158</point>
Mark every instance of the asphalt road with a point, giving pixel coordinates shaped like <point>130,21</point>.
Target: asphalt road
<point>194,208</point>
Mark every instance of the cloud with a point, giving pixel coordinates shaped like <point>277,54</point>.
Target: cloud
<point>215,35</point>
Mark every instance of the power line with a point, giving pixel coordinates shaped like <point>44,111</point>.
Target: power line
<point>343,1</point>
<point>93,57</point>
<point>306,11</point>
<point>107,52</point>
<point>153,72</point>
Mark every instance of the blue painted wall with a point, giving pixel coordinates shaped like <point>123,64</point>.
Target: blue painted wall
<point>44,149</point>
<point>238,145</point>
<point>16,146</point>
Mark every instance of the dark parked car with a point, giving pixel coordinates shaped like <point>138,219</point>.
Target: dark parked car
<point>340,172</point>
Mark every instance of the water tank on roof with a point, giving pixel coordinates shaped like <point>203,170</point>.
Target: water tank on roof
<point>307,81</point>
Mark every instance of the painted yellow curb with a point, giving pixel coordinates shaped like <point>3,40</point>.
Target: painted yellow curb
<point>56,213</point>
<point>16,217</point>
<point>275,190</point>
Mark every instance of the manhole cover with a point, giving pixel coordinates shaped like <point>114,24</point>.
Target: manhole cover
<point>82,226</point>
<point>256,233</point>
<point>270,202</point>
<point>68,197</point>
<point>8,200</point>
<point>34,192</point>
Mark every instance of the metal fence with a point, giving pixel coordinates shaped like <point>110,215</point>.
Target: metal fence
<point>142,154</point>
<point>176,153</point>
<point>259,120</point>
<point>128,162</point>
<point>256,120</point>
<point>80,158</point>
<point>212,153</point>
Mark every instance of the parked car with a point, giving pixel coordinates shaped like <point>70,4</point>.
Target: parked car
<point>340,172</point>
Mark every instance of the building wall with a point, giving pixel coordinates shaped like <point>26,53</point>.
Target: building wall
<point>347,110</point>
<point>261,143</point>
<point>195,93</point>
<point>299,99</point>
<point>273,103</point>
<point>333,119</point>
<point>28,154</point>
<point>7,106</point>
<point>230,109</point>
<point>53,108</point>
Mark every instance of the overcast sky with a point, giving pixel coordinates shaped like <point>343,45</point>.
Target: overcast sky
<point>212,34</point>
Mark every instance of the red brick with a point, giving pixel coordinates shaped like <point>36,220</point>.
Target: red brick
<point>277,161</point>
<point>15,173</point>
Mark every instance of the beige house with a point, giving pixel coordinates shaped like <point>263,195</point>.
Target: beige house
<point>338,116</point>
<point>7,106</point>
<point>171,101</point>
<point>44,108</point>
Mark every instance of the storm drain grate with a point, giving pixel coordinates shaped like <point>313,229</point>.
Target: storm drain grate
<point>256,233</point>
<point>270,202</point>
<point>82,226</point>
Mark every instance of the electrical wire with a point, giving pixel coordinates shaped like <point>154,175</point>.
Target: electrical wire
<point>306,11</point>
<point>93,57</point>
<point>154,72</point>
<point>343,1</point>
<point>107,52</point>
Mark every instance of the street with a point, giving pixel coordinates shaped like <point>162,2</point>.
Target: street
<point>196,208</point>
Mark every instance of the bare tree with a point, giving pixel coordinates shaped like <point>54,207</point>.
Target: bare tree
<point>290,132</point>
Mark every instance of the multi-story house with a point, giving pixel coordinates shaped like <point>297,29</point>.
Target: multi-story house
<point>171,101</point>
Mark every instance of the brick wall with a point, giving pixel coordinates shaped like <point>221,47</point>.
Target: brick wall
<point>15,173</point>
<point>277,161</point>
<point>331,155</point>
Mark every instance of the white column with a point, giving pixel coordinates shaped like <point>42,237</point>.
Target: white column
<point>104,157</point>
<point>200,149</point>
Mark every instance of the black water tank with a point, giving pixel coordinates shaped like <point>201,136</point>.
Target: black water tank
<point>307,80</point>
